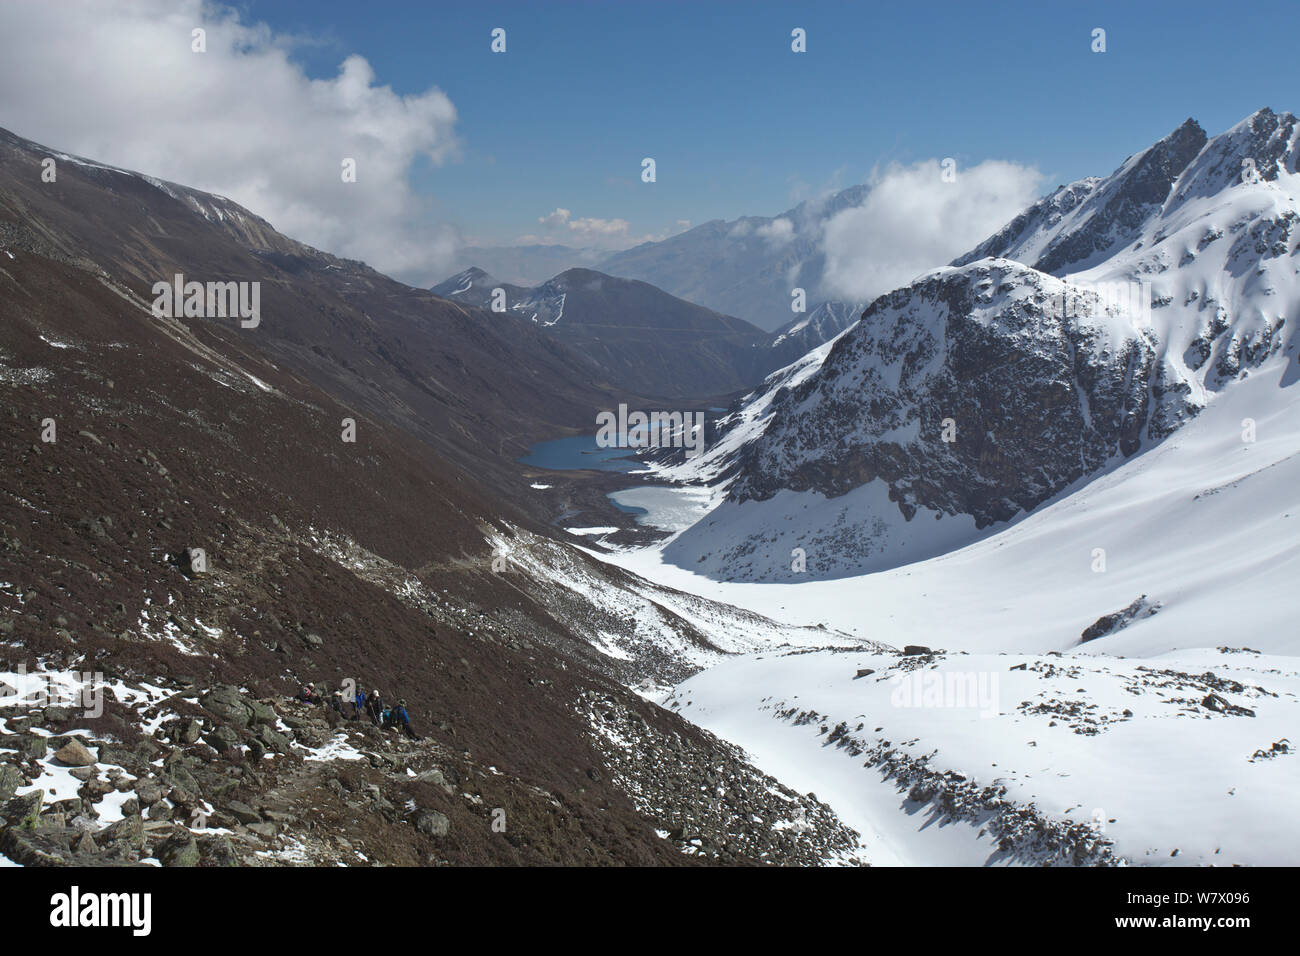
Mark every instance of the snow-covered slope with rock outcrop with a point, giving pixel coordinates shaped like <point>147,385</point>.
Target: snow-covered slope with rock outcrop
<point>938,758</point>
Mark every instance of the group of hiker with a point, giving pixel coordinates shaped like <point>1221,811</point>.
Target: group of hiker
<point>372,706</point>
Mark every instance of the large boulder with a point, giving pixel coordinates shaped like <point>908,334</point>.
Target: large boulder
<point>189,731</point>
<point>180,849</point>
<point>84,841</point>
<point>243,812</point>
<point>178,775</point>
<point>275,740</point>
<point>262,712</point>
<point>131,761</point>
<point>215,849</point>
<point>223,738</point>
<point>125,835</point>
<point>28,745</point>
<point>46,847</point>
<point>22,812</point>
<point>229,703</point>
<point>74,754</point>
<point>433,823</point>
<point>10,781</point>
<point>148,792</point>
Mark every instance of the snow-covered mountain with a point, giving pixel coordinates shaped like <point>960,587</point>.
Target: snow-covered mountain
<point>1107,678</point>
<point>475,286</point>
<point>797,338</point>
<point>1086,331</point>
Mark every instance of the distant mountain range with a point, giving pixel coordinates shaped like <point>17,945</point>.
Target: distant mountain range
<point>746,267</point>
<point>526,265</point>
<point>646,340</point>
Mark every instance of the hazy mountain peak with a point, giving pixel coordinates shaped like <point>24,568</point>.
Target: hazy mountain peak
<point>462,282</point>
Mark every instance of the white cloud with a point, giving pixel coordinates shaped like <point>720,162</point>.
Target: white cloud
<point>606,235</point>
<point>778,232</point>
<point>600,229</point>
<point>557,218</point>
<point>116,81</point>
<point>912,221</point>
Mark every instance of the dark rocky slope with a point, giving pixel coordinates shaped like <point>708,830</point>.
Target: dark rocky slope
<point>643,339</point>
<point>477,387</point>
<point>326,561</point>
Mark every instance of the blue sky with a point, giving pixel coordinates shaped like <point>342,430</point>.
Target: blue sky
<point>738,124</point>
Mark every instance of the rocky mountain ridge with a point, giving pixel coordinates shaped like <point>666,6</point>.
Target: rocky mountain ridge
<point>984,388</point>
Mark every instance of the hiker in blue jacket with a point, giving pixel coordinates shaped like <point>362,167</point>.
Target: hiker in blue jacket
<point>402,720</point>
<point>359,702</point>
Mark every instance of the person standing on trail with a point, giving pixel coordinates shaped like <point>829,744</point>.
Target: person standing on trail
<point>375,708</point>
<point>359,702</point>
